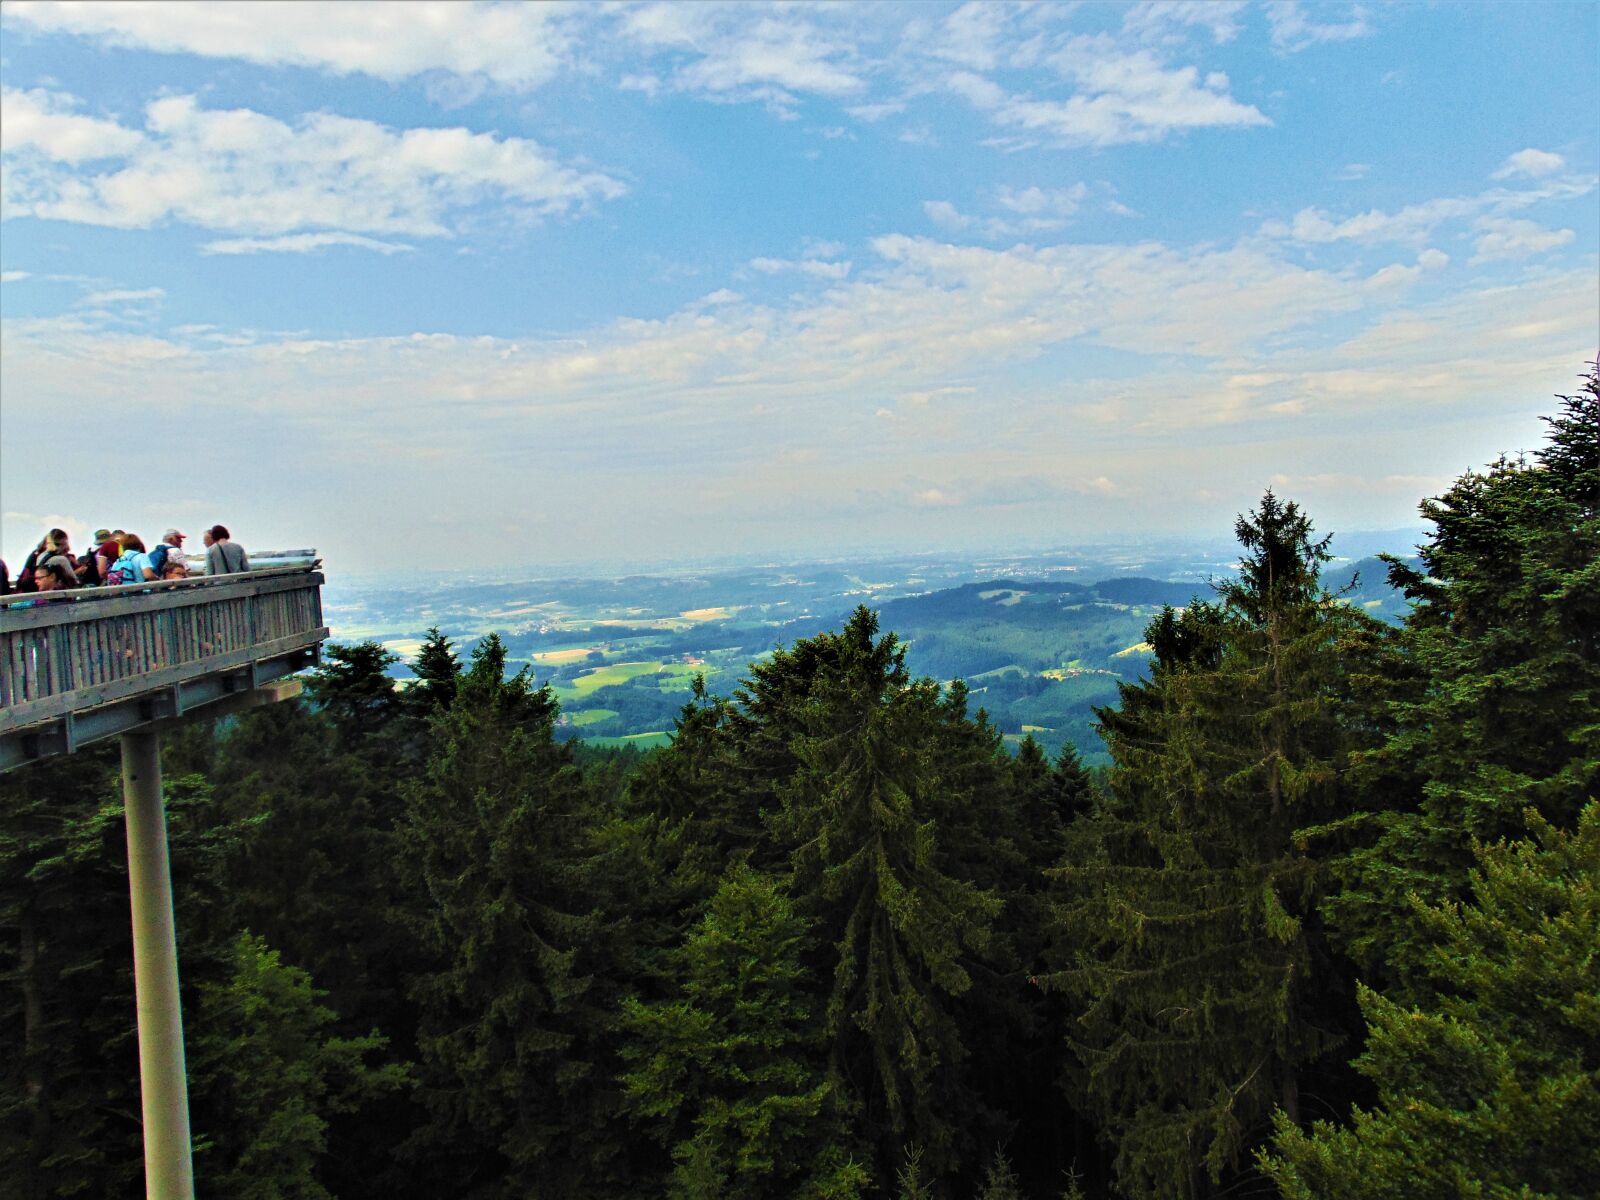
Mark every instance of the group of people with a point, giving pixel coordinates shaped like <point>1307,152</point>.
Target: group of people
<point>118,557</point>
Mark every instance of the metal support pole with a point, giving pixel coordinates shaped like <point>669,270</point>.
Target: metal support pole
<point>168,1170</point>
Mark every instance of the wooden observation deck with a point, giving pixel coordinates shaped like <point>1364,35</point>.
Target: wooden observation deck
<point>92,663</point>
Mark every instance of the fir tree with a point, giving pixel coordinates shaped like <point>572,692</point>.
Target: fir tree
<point>437,671</point>
<point>726,1070</point>
<point>857,812</point>
<point>1505,634</point>
<point>1492,1089</point>
<point>1188,936</point>
<point>268,1072</point>
<point>513,1012</point>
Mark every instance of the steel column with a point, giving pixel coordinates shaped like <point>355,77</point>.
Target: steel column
<point>168,1170</point>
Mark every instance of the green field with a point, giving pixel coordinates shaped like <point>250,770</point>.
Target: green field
<point>643,741</point>
<point>611,674</point>
<point>591,716</point>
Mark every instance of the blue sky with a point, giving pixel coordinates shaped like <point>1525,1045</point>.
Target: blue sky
<point>465,283</point>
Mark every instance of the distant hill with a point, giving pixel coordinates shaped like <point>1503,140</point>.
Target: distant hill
<point>1040,655</point>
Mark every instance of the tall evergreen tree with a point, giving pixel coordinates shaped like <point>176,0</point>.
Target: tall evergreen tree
<point>514,1011</point>
<point>857,813</point>
<point>268,1071</point>
<point>437,671</point>
<point>1505,633</point>
<point>727,1069</point>
<point>1188,935</point>
<point>1491,1089</point>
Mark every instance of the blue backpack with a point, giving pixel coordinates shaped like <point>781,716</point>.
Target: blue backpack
<point>124,570</point>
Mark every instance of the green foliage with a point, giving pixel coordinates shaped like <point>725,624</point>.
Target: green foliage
<point>1187,936</point>
<point>353,687</point>
<point>857,812</point>
<point>1506,637</point>
<point>724,1070</point>
<point>267,1072</point>
<point>511,1008</point>
<point>1492,1089</point>
<point>437,670</point>
<point>999,1180</point>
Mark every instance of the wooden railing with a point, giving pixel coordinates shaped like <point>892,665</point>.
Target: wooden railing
<point>63,653</point>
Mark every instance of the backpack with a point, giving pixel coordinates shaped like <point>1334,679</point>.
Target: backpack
<point>122,571</point>
<point>158,558</point>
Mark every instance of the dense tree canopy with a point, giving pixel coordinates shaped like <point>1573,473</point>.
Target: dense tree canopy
<point>1328,927</point>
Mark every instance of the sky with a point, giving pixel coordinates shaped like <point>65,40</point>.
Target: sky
<point>479,284</point>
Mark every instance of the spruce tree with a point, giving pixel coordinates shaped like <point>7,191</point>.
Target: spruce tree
<point>437,671</point>
<point>1505,635</point>
<point>728,1069</point>
<point>513,1010</point>
<point>1491,1088</point>
<point>268,1073</point>
<point>1188,937</point>
<point>857,813</point>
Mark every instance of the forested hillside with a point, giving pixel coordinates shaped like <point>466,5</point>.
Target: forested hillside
<point>1329,925</point>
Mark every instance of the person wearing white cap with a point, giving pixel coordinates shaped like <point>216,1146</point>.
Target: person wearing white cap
<point>168,557</point>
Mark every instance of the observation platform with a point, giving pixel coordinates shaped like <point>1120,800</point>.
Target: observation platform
<point>91,663</point>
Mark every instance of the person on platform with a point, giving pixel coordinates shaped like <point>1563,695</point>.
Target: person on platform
<point>133,565</point>
<point>56,573</point>
<point>169,551</point>
<point>224,556</point>
<point>54,542</point>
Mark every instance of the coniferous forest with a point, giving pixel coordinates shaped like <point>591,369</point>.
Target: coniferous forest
<point>1328,927</point>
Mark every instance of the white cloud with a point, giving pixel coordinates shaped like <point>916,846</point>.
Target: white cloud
<point>1432,260</point>
<point>301,243</point>
<point>1505,238</point>
<point>1292,30</point>
<point>240,170</point>
<point>124,296</point>
<point>945,215</point>
<point>1530,164</point>
<point>1042,203</point>
<point>1120,97</point>
<point>876,112</point>
<point>1416,222</point>
<point>1031,210</point>
<point>1156,19</point>
<point>13,276</point>
<point>50,123</point>
<point>1353,171</point>
<point>515,45</point>
<point>728,54</point>
<point>818,268</point>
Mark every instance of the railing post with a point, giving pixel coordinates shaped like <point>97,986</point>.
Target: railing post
<point>168,1169</point>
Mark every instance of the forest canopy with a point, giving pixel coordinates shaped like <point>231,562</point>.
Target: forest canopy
<point>1328,926</point>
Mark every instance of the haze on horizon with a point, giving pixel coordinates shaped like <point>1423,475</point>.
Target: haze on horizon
<point>488,283</point>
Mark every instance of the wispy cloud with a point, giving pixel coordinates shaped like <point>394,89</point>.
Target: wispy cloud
<point>768,54</point>
<point>240,170</point>
<point>1504,237</point>
<point>818,268</point>
<point>1159,19</point>
<point>514,45</point>
<point>1119,97</point>
<point>1415,223</point>
<point>1530,164</point>
<point>124,296</point>
<point>302,243</point>
<point>1293,30</point>
<point>1027,210</point>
